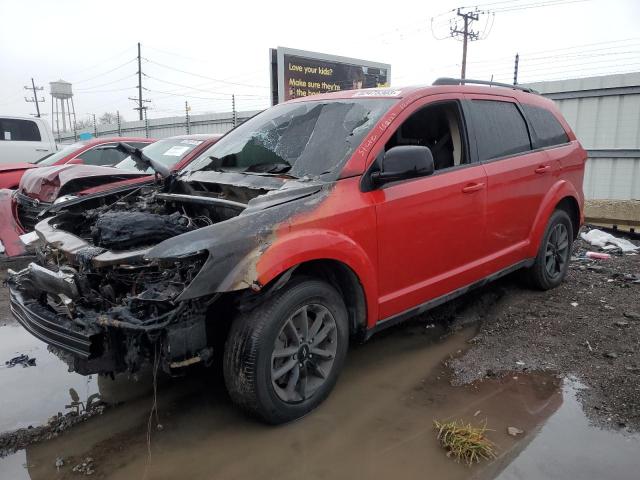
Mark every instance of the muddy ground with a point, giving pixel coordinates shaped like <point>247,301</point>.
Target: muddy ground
<point>567,376</point>
<point>588,327</point>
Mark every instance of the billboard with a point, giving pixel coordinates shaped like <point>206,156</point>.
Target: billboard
<point>297,73</point>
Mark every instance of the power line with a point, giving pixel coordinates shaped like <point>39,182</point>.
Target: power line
<point>101,63</point>
<point>105,73</point>
<point>195,88</point>
<point>204,76</point>
<point>104,84</point>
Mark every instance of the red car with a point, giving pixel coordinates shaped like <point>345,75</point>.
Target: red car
<point>99,151</point>
<point>320,220</point>
<point>40,188</point>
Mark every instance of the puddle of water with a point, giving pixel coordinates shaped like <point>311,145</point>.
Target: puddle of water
<point>569,447</point>
<point>377,424</point>
<point>31,395</point>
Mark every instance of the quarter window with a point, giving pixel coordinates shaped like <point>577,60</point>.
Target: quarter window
<point>547,128</point>
<point>13,129</point>
<point>500,129</point>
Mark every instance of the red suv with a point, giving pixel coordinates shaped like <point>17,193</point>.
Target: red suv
<point>319,220</point>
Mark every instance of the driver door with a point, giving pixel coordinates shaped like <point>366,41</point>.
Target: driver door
<point>431,230</point>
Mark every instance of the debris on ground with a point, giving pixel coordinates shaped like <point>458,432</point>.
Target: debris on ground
<point>597,255</point>
<point>598,238</point>
<point>23,360</point>
<point>15,440</point>
<point>59,463</point>
<point>465,443</point>
<point>514,431</point>
<point>86,467</point>
<point>588,327</point>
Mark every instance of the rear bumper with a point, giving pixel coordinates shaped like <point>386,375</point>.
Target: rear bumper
<point>10,230</point>
<point>54,329</point>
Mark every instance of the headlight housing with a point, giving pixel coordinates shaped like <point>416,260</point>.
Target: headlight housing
<point>64,198</point>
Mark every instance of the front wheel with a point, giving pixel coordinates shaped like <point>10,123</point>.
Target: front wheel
<point>552,262</point>
<point>283,358</point>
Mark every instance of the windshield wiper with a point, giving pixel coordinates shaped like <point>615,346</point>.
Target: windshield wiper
<point>271,167</point>
<point>145,161</point>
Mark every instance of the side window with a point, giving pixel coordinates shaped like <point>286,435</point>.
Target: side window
<point>548,129</point>
<point>500,129</point>
<point>13,129</point>
<point>438,127</point>
<point>104,155</point>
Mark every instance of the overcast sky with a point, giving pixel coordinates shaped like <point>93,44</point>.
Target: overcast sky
<point>90,43</point>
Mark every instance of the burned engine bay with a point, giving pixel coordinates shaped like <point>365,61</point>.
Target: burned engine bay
<point>119,272</point>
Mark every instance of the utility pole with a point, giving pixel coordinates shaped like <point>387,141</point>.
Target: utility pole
<point>139,100</point>
<point>233,110</point>
<point>466,33</point>
<point>119,124</point>
<point>139,82</point>
<point>95,126</point>
<point>515,69</point>
<point>186,111</point>
<point>34,99</point>
<point>146,124</point>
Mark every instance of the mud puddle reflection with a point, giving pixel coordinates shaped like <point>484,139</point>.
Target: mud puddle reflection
<point>567,446</point>
<point>376,424</point>
<point>30,395</point>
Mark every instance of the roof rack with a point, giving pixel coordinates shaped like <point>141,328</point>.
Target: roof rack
<point>462,81</point>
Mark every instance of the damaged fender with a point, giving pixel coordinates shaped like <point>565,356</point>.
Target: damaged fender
<point>10,231</point>
<point>235,245</point>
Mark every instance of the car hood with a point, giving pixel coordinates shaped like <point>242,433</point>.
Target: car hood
<point>48,183</point>
<point>11,167</point>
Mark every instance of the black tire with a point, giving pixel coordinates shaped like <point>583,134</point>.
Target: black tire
<point>539,275</point>
<point>257,338</point>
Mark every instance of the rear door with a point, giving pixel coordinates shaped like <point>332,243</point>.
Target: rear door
<point>518,177</point>
<point>431,229</point>
<point>21,141</point>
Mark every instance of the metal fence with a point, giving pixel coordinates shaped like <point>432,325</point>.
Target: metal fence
<point>164,127</point>
<point>604,112</point>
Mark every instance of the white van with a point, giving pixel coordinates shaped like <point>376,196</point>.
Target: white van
<point>24,139</point>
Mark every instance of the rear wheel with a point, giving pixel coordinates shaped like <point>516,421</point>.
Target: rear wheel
<point>552,262</point>
<point>283,358</point>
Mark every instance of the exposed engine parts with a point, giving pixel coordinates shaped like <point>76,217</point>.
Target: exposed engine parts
<point>122,230</point>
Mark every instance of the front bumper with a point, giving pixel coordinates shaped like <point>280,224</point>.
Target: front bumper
<point>54,329</point>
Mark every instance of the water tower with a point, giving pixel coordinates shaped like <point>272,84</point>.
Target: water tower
<point>60,95</point>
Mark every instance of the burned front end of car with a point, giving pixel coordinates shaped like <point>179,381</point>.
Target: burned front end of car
<point>126,279</point>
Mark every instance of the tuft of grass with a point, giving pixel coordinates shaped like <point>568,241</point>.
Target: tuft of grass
<point>465,443</point>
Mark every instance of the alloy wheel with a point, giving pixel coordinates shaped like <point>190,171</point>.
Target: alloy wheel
<point>304,353</point>
<point>557,250</point>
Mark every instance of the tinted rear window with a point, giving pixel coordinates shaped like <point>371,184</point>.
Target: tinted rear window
<point>500,129</point>
<point>13,129</point>
<point>547,128</point>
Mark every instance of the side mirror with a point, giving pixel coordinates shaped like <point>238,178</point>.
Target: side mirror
<point>402,162</point>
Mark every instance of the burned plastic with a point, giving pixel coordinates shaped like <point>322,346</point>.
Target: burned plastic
<point>123,230</point>
<point>124,275</point>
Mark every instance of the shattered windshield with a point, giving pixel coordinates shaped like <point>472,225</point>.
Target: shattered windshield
<point>168,152</point>
<point>297,139</point>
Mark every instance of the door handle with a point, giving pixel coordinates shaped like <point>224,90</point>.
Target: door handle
<point>543,169</point>
<point>42,150</point>
<point>472,187</point>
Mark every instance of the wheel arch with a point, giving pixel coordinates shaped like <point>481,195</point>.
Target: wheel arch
<point>562,195</point>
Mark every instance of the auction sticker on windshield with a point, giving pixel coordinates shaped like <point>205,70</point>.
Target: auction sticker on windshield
<point>176,151</point>
<point>192,142</point>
